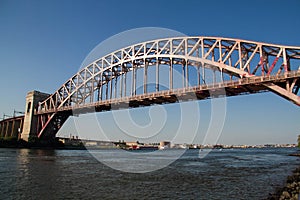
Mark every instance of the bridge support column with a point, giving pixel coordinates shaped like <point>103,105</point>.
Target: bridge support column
<point>17,124</point>
<point>3,129</point>
<point>8,129</point>
<point>30,120</point>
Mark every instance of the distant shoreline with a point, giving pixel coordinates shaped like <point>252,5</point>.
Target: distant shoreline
<point>79,144</point>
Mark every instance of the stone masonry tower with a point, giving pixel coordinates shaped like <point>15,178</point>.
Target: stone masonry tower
<point>30,120</point>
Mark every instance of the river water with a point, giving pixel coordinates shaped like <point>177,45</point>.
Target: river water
<point>76,174</point>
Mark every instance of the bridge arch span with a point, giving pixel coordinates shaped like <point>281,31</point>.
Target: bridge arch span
<point>273,67</point>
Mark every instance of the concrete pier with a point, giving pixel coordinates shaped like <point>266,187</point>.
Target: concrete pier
<point>30,120</point>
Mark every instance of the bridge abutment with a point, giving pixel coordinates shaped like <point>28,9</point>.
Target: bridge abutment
<point>31,121</point>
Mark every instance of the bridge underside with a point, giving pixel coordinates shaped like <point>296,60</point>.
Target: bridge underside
<point>50,124</point>
<point>175,96</point>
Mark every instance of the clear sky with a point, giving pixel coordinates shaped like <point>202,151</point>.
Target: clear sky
<point>43,43</point>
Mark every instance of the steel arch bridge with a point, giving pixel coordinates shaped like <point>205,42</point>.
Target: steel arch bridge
<point>204,64</point>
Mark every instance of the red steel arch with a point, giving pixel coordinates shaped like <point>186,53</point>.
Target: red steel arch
<point>260,66</point>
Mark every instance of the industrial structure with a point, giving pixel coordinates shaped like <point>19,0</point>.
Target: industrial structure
<point>162,71</point>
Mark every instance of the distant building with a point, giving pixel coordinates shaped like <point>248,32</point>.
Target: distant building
<point>164,145</point>
<point>98,144</point>
<point>87,143</point>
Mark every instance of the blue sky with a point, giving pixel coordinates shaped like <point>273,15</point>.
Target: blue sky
<point>43,43</point>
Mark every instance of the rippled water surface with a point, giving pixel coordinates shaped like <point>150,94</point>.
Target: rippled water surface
<point>76,174</point>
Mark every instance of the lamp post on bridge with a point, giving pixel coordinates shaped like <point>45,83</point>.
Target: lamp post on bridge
<point>17,112</point>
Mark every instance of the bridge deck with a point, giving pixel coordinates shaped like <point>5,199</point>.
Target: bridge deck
<point>227,88</point>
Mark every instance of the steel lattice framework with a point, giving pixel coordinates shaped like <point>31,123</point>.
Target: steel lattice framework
<point>238,66</point>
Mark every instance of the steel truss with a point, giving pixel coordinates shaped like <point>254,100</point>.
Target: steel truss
<point>114,76</point>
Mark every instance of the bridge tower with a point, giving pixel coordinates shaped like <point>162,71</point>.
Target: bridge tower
<point>30,127</point>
